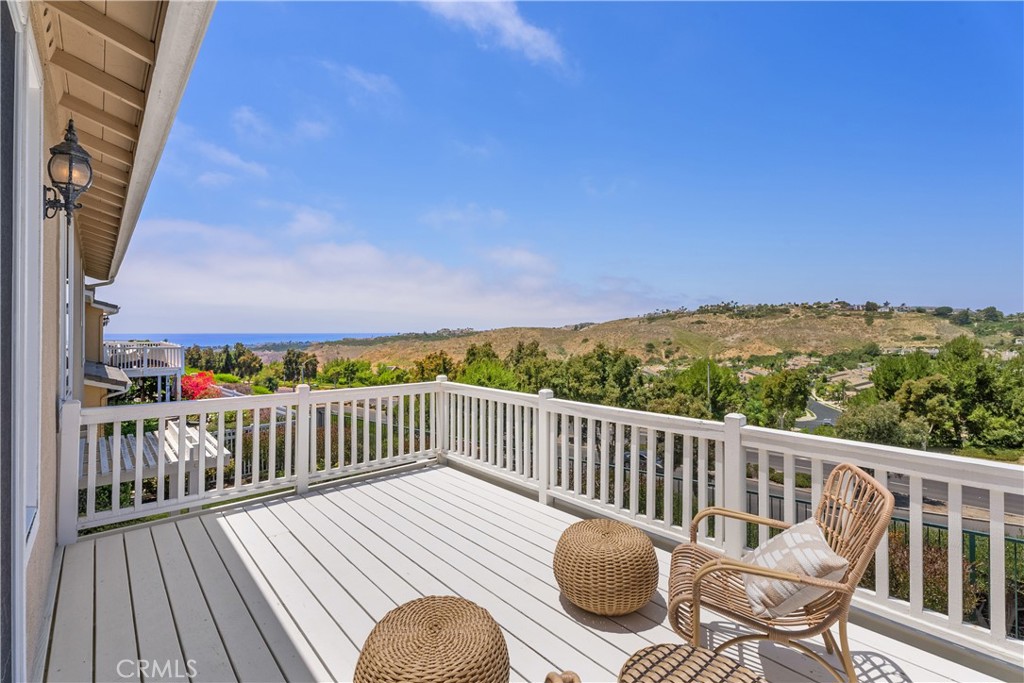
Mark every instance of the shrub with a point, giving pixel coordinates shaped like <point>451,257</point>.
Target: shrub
<point>199,385</point>
<point>257,390</point>
<point>227,378</point>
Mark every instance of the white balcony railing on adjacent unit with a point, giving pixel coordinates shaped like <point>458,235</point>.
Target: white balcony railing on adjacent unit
<point>652,470</point>
<point>145,358</point>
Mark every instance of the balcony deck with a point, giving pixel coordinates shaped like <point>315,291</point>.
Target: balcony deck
<point>289,588</point>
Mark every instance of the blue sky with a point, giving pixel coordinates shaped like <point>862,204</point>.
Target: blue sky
<point>409,166</point>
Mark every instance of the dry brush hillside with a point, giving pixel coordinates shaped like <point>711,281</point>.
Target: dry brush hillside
<point>680,335</point>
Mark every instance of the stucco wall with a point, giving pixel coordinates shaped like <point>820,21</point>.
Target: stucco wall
<point>40,563</point>
<point>93,334</point>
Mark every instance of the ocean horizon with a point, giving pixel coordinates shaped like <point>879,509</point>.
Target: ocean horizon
<point>248,338</point>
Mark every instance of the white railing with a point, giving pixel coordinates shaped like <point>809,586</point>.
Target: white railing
<point>650,469</point>
<point>145,358</point>
<point>657,470</point>
<point>190,453</point>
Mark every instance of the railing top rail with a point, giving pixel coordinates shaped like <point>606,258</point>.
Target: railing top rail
<point>669,423</point>
<point>120,343</point>
<point>935,466</point>
<point>493,394</point>
<point>379,391</point>
<point>215,405</point>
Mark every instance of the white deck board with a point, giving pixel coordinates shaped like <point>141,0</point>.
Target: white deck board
<point>289,589</point>
<point>118,635</point>
<point>155,629</point>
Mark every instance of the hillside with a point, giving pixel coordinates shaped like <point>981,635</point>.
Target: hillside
<point>670,336</point>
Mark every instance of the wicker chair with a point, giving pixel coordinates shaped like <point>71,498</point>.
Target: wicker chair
<point>853,514</point>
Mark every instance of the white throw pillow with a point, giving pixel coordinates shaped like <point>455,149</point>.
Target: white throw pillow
<point>800,549</point>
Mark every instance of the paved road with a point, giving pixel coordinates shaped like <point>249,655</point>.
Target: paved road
<point>823,414</point>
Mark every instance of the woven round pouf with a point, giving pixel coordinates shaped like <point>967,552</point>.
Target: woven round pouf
<point>436,639</point>
<point>683,664</point>
<point>606,567</point>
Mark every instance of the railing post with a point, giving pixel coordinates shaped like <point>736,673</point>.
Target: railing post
<point>734,481</point>
<point>442,440</point>
<point>67,488</point>
<point>544,445</point>
<point>303,416</point>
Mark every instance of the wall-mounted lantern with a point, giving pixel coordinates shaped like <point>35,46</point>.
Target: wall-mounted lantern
<point>70,171</point>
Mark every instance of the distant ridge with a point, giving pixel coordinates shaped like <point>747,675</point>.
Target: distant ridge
<point>663,337</point>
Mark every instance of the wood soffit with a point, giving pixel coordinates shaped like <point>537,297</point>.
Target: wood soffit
<point>99,57</point>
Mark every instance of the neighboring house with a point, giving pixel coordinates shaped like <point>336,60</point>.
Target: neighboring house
<point>120,73</point>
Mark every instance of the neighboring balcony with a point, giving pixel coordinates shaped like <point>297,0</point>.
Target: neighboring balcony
<point>379,495</point>
<point>142,359</point>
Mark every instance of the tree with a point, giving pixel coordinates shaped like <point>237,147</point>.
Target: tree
<point>227,361</point>
<point>943,311</point>
<point>532,367</point>
<point>870,306</point>
<point>488,372</point>
<point>717,386</point>
<point>931,399</point>
<point>991,314</point>
<point>681,404</point>
<point>962,317</point>
<point>433,364</point>
<point>608,377</point>
<point>482,352</point>
<point>880,423</point>
<point>785,396</point>
<point>299,366</point>
<point>247,364</point>
<point>892,371</point>
<point>194,356</point>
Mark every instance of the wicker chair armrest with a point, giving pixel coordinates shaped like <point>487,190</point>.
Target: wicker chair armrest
<point>564,677</point>
<point>735,514</point>
<point>725,564</point>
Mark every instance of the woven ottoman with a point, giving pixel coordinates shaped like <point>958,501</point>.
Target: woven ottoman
<point>682,664</point>
<point>606,567</point>
<point>436,639</point>
<point>673,664</point>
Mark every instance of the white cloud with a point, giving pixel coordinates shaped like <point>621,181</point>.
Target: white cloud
<point>500,22</point>
<point>215,179</point>
<point>464,217</point>
<point>234,279</point>
<point>518,258</point>
<point>251,126</point>
<point>225,157</point>
<point>365,89</point>
<point>308,222</point>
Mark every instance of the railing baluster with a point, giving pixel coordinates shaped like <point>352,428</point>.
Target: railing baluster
<point>788,488</point>
<point>379,454</point>
<point>182,454</point>
<point>577,455</point>
<point>634,469</point>
<point>620,454</point>
<point>702,485</point>
<point>139,459</point>
<point>916,545</point>
<point>201,455</point>
<point>115,468</point>
<point>590,457</point>
<point>668,480</point>
<point>255,459</point>
<point>955,553</point>
<point>882,552</point>
<point>220,451</point>
<point>605,453</point>
<point>652,467</point>
<point>997,566</point>
<point>763,492</point>
<point>687,482</point>
<point>239,436</point>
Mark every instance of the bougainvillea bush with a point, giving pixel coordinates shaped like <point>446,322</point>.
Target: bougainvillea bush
<point>199,385</point>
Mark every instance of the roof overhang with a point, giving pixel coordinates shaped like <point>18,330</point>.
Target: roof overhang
<point>106,376</point>
<point>120,71</point>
